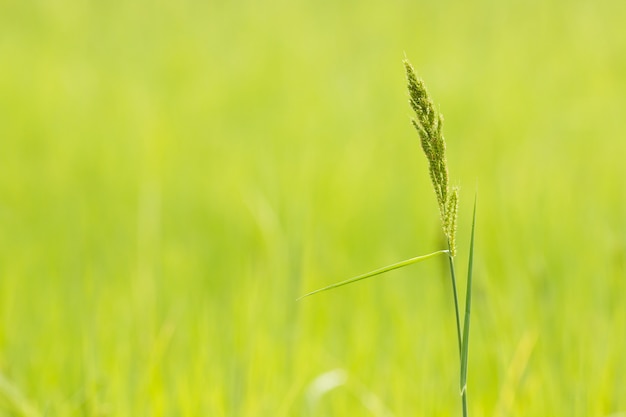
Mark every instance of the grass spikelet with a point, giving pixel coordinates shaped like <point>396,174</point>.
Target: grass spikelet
<point>449,223</point>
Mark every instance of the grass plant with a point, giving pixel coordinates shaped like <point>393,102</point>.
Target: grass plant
<point>174,174</point>
<point>429,126</point>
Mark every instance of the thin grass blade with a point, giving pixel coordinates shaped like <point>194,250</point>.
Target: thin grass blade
<point>379,271</point>
<point>468,305</point>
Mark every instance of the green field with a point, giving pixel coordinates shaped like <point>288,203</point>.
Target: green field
<point>173,175</point>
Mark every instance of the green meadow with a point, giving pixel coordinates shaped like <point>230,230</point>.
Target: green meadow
<point>173,175</point>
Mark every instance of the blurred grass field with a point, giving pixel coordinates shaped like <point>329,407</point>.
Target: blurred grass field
<point>173,175</point>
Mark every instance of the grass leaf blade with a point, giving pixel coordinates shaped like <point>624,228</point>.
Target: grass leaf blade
<point>378,271</point>
<point>468,305</point>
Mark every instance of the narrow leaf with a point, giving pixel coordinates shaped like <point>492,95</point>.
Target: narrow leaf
<point>377,272</point>
<point>468,305</point>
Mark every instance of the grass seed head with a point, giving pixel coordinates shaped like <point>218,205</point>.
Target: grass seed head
<point>429,126</point>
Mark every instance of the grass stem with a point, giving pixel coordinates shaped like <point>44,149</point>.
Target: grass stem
<point>456,302</point>
<point>458,325</point>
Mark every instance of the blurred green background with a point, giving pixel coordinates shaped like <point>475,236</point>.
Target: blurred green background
<point>173,175</point>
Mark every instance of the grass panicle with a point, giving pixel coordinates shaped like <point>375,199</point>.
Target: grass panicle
<point>429,126</point>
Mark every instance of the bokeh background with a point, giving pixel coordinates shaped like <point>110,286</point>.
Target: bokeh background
<point>173,175</point>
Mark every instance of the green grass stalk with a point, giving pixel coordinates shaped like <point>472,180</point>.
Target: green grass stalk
<point>428,124</point>
<point>456,302</point>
